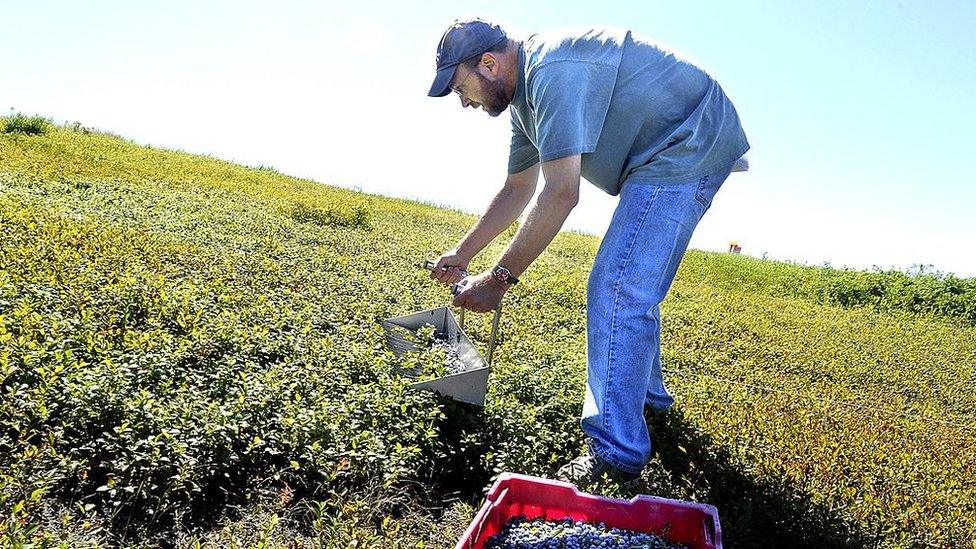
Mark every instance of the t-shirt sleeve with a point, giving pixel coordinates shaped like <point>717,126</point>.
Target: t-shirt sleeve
<point>572,100</point>
<point>523,153</point>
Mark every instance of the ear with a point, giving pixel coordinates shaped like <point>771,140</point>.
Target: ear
<point>489,61</point>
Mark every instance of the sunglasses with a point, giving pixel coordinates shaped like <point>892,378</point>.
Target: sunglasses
<point>457,90</point>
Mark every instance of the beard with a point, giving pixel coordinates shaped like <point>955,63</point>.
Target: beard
<point>495,101</point>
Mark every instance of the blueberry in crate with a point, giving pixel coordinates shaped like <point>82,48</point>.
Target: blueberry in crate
<point>521,533</point>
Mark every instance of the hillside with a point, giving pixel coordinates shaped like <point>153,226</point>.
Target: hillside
<point>189,353</point>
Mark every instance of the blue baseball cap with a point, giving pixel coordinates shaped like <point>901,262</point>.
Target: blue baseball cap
<point>460,42</point>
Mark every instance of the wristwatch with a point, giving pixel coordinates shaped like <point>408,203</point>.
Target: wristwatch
<point>503,275</point>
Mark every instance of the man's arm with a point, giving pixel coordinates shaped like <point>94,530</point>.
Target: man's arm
<point>557,199</point>
<point>502,212</point>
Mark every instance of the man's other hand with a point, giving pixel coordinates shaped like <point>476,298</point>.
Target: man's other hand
<point>454,263</point>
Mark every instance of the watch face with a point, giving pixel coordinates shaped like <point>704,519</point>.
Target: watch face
<point>503,275</point>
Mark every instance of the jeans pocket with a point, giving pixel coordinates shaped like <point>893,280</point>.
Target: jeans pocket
<point>704,194</point>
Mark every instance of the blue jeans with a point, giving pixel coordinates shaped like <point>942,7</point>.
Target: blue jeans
<point>632,273</point>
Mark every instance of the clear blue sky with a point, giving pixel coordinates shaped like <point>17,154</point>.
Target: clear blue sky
<point>860,114</point>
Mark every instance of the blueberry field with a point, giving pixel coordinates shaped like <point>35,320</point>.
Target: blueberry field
<point>191,356</point>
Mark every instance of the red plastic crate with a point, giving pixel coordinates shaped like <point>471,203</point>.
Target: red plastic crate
<point>693,524</point>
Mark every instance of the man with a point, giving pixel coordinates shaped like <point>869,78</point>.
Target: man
<point>634,120</point>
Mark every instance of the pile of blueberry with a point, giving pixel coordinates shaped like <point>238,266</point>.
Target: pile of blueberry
<point>520,533</point>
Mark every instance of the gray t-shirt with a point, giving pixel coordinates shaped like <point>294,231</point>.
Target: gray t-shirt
<point>634,111</point>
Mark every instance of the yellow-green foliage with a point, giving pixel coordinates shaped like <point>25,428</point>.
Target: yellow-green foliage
<point>180,336</point>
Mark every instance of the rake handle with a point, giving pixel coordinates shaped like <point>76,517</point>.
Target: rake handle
<point>456,287</point>
<point>429,265</point>
<point>494,329</point>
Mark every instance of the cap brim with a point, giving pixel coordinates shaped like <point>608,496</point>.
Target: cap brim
<point>442,81</point>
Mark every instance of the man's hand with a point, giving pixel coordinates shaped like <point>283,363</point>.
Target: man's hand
<point>480,293</point>
<point>454,262</point>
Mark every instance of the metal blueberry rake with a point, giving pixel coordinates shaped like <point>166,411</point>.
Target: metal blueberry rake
<point>467,380</point>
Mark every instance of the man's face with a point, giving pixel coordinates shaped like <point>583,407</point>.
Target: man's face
<point>477,90</point>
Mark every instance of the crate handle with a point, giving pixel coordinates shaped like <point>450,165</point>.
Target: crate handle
<point>711,535</point>
<point>484,517</point>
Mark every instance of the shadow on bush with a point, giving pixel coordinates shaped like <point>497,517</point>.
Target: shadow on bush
<point>459,473</point>
<point>753,512</point>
